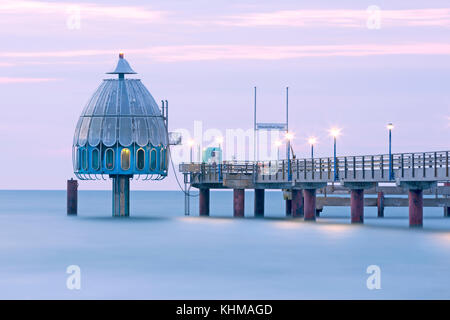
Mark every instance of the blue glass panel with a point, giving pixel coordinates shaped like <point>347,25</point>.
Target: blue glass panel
<point>153,159</point>
<point>84,129</point>
<point>77,131</point>
<point>84,159</point>
<point>141,131</point>
<point>95,131</point>
<point>125,133</point>
<point>95,159</point>
<point>109,131</point>
<point>154,131</point>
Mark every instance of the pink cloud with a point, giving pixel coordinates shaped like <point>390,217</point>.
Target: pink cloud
<point>192,53</point>
<point>8,80</point>
<point>86,10</point>
<point>244,52</point>
<point>339,18</point>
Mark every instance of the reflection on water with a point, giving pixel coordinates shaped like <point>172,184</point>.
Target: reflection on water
<point>335,229</point>
<point>288,224</point>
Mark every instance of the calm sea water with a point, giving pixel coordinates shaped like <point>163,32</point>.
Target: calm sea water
<point>158,253</point>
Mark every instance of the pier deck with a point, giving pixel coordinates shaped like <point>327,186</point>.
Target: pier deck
<point>414,174</point>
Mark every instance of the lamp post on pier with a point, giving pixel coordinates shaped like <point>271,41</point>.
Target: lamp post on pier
<point>390,126</point>
<point>335,133</point>
<point>219,141</point>
<point>312,141</point>
<point>289,136</point>
<point>278,143</point>
<point>191,144</point>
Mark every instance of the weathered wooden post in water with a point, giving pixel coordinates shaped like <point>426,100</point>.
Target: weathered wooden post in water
<point>239,203</point>
<point>203,202</point>
<point>380,204</point>
<point>72,197</point>
<point>297,203</point>
<point>259,203</point>
<point>287,196</point>
<point>415,196</point>
<point>357,199</point>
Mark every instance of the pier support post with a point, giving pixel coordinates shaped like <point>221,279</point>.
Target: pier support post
<point>357,199</point>
<point>288,207</point>
<point>121,196</point>
<point>380,204</point>
<point>259,203</point>
<point>357,205</point>
<point>310,204</point>
<point>297,203</point>
<point>415,207</point>
<point>415,196</point>
<point>72,197</point>
<point>238,202</point>
<point>203,202</point>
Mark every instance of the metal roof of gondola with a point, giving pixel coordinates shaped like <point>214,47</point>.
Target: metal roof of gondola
<point>121,110</point>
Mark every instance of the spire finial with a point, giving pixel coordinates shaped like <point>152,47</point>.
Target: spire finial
<point>122,67</point>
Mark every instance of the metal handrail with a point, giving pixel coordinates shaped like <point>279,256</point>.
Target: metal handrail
<point>347,166</point>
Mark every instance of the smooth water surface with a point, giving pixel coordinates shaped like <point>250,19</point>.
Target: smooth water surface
<point>158,253</point>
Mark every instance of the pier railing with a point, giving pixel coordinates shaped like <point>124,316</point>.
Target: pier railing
<point>421,166</point>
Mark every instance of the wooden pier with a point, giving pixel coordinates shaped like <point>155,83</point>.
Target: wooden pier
<point>412,174</point>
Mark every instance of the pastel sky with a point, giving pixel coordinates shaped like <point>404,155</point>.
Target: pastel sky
<point>342,67</point>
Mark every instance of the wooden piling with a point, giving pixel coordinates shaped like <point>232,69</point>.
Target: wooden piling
<point>380,204</point>
<point>203,202</point>
<point>357,205</point>
<point>309,196</point>
<point>297,203</point>
<point>288,207</point>
<point>72,197</point>
<point>259,203</point>
<point>415,207</point>
<point>238,203</point>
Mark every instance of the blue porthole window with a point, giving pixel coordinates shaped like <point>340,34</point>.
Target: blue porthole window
<point>140,159</point>
<point>125,159</point>
<point>153,159</point>
<point>109,159</point>
<point>84,159</point>
<point>77,159</point>
<point>95,159</point>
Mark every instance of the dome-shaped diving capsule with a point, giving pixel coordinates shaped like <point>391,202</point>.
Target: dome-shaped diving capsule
<point>121,132</point>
